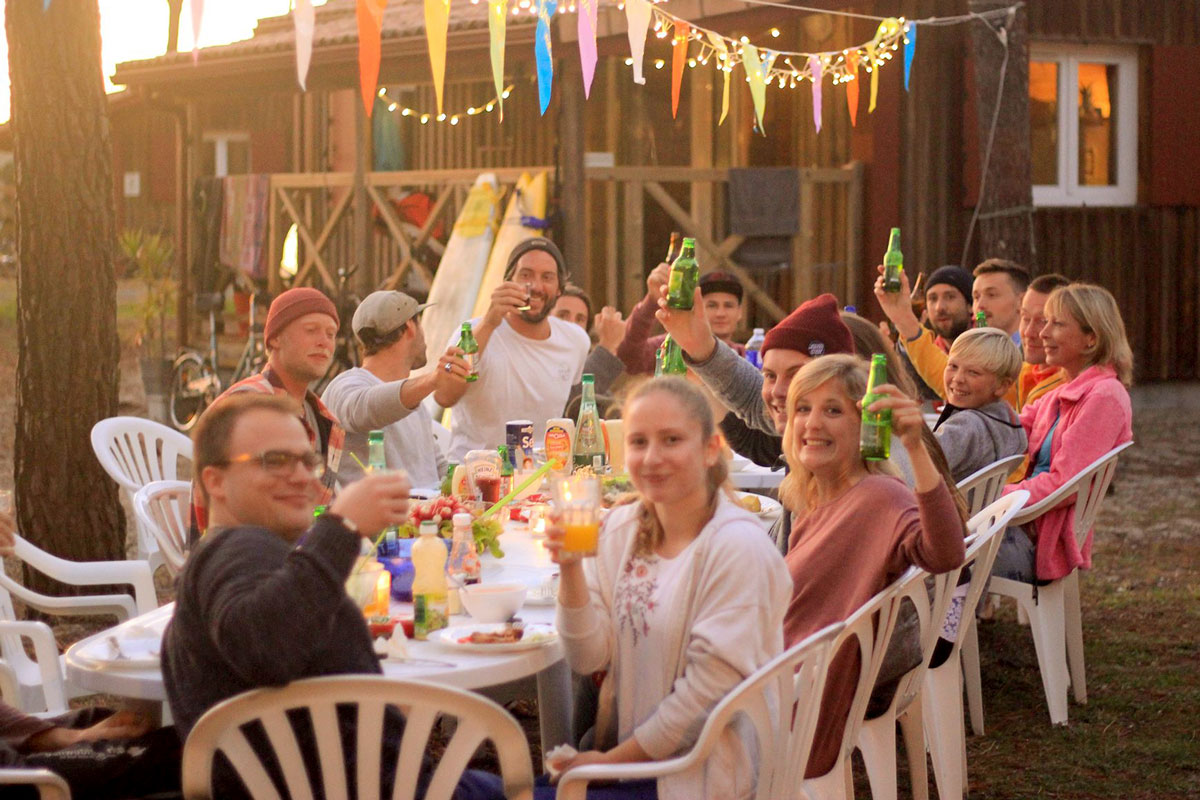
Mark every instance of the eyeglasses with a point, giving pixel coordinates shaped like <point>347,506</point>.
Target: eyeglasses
<point>281,463</point>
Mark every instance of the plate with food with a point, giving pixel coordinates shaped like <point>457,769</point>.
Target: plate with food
<point>760,505</point>
<point>496,637</point>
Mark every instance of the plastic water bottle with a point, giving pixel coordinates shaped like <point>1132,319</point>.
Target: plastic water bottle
<point>754,348</point>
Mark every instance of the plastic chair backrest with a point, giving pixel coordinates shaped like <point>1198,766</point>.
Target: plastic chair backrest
<point>135,451</point>
<point>982,488</point>
<point>1086,489</point>
<point>49,785</point>
<point>220,729</point>
<point>163,507</point>
<point>931,609</point>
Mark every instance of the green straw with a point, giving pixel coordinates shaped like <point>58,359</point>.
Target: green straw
<point>525,484</point>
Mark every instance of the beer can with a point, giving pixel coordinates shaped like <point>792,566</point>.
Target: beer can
<point>519,438</point>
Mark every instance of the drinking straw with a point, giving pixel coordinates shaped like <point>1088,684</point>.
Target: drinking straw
<point>525,484</point>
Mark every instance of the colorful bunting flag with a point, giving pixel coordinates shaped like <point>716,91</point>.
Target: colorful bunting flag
<point>197,18</point>
<point>678,61</point>
<point>886,28</point>
<point>497,29</point>
<point>910,49</point>
<point>637,20</point>
<point>815,67</point>
<point>543,52</point>
<point>437,23</point>
<point>757,72</point>
<point>722,55</point>
<point>586,25</point>
<point>369,15</point>
<point>303,17</point>
<point>852,87</point>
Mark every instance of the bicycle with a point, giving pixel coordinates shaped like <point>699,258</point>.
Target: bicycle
<point>195,376</point>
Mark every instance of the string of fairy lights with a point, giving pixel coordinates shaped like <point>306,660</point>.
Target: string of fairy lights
<point>425,117</point>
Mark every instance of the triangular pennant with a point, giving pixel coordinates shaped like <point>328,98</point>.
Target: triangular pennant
<point>814,66</point>
<point>587,43</point>
<point>756,72</point>
<point>303,17</point>
<point>721,53</point>
<point>637,21</point>
<point>437,23</point>
<point>678,61</point>
<point>369,14</point>
<point>910,50</point>
<point>497,31</point>
<point>543,52</point>
<point>886,28</point>
<point>852,87</point>
<point>197,18</point>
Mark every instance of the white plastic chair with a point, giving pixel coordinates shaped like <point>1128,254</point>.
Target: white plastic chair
<point>982,488</point>
<point>220,729</point>
<point>35,693</point>
<point>163,508</point>
<point>36,686</point>
<point>135,451</point>
<point>1053,610</point>
<point>877,738</point>
<point>48,785</point>
<point>870,628</point>
<point>941,705</point>
<point>793,680</point>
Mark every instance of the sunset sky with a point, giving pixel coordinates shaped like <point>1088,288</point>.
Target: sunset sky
<point>133,29</point>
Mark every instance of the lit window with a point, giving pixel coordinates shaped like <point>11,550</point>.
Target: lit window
<point>1083,125</point>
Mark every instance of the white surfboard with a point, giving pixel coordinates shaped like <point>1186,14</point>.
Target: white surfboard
<point>528,199</point>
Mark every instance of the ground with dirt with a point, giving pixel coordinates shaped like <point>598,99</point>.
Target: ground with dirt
<point>1136,738</point>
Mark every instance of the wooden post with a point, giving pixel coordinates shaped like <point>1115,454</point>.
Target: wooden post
<point>183,224</point>
<point>634,285</point>
<point>700,103</point>
<point>571,192</point>
<point>362,203</point>
<point>803,280</point>
<point>854,232</point>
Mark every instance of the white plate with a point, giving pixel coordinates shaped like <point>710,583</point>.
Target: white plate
<point>135,653</point>
<point>449,637</point>
<point>770,508</point>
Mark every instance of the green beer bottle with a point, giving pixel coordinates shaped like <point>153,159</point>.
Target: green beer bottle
<point>685,274</point>
<point>589,437</point>
<point>377,462</point>
<point>506,470</point>
<point>893,263</point>
<point>672,358</point>
<point>470,350</point>
<point>875,439</point>
<point>980,319</point>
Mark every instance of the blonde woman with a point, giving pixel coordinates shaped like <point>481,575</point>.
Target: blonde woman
<point>1071,426</point>
<point>684,599</point>
<point>856,526</point>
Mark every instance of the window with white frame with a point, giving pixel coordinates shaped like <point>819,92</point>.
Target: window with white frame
<point>229,154</point>
<point>1083,125</point>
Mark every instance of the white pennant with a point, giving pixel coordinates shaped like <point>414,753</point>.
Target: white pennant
<point>637,16</point>
<point>304,18</point>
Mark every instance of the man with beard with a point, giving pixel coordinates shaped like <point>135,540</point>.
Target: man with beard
<point>302,325</point>
<point>948,305</point>
<point>380,395</point>
<point>527,360</point>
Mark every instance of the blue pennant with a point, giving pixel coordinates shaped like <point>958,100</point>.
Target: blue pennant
<point>541,51</point>
<point>910,49</point>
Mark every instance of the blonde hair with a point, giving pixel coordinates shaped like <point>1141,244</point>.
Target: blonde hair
<point>797,492</point>
<point>695,407</point>
<point>1095,309</point>
<point>991,349</point>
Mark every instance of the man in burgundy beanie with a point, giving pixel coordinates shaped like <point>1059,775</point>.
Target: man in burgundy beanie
<point>302,326</point>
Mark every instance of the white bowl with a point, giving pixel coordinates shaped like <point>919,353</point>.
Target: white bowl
<point>493,602</point>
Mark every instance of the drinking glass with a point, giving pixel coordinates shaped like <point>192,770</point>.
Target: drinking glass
<point>577,501</point>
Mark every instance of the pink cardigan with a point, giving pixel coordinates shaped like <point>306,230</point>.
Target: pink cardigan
<point>1094,416</point>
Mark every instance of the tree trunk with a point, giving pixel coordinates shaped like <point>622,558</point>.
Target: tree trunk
<point>1005,225</point>
<point>175,11</point>
<point>67,371</point>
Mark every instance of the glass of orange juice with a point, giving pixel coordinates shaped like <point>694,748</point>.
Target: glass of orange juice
<point>577,501</point>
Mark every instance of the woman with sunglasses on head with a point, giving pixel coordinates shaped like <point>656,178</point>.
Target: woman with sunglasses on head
<point>683,600</point>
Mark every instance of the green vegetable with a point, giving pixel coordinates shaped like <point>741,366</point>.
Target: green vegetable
<point>487,536</point>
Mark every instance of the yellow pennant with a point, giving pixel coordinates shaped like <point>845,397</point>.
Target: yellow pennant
<point>437,21</point>
<point>497,28</point>
<point>889,27</point>
<point>722,56</point>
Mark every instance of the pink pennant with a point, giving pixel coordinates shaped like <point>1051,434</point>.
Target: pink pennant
<point>303,17</point>
<point>814,66</point>
<point>587,42</point>
<point>197,18</point>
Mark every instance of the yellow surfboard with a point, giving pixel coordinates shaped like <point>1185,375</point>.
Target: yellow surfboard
<point>528,199</point>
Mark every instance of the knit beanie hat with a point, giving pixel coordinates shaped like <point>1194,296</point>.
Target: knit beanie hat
<point>955,276</point>
<point>537,243</point>
<point>294,304</point>
<point>815,329</point>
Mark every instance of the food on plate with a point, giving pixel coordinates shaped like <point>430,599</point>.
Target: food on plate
<point>509,634</point>
<point>750,502</point>
<point>382,626</point>
<point>487,536</point>
<point>614,489</point>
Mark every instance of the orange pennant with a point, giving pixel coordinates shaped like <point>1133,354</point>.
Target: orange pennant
<point>852,87</point>
<point>369,14</point>
<point>678,61</point>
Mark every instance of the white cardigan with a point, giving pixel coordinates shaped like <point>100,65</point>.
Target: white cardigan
<point>740,588</point>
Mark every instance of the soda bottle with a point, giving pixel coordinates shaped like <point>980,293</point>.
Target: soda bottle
<point>893,263</point>
<point>980,319</point>
<point>589,438</point>
<point>685,274</point>
<point>875,438</point>
<point>470,348</point>
<point>429,588</point>
<point>506,470</point>
<point>377,462</point>
<point>754,348</point>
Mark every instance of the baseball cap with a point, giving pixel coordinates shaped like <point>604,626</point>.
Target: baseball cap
<point>385,311</point>
<point>718,281</point>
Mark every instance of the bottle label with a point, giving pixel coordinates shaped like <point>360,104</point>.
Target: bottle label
<point>558,445</point>
<point>430,613</point>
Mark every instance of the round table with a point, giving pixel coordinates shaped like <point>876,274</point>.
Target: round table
<point>753,477</point>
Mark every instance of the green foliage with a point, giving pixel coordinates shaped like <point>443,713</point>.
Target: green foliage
<point>152,256</point>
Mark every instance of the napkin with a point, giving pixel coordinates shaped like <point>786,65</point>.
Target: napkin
<point>563,752</point>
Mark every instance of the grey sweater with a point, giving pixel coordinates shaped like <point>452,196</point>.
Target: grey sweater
<point>973,438</point>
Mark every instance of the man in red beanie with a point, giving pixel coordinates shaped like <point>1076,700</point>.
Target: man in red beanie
<point>302,325</point>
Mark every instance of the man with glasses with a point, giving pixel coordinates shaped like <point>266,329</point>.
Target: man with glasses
<point>261,600</point>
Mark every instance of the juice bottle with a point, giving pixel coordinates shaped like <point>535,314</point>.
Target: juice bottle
<point>430,601</point>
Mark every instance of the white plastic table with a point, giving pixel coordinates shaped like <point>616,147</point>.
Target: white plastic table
<point>752,476</point>
<point>525,560</point>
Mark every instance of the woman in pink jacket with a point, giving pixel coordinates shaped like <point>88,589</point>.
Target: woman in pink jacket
<point>1070,427</point>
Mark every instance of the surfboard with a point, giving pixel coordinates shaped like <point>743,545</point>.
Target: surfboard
<point>528,200</point>
<point>459,273</point>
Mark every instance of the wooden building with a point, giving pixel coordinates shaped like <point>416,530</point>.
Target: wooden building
<point>1109,96</point>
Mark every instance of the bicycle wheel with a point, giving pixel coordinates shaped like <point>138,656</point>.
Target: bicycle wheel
<point>194,385</point>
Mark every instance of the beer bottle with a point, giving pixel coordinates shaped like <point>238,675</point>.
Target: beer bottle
<point>470,351</point>
<point>377,462</point>
<point>673,247</point>
<point>589,438</point>
<point>685,274</point>
<point>893,263</point>
<point>980,319</point>
<point>506,470</point>
<point>917,296</point>
<point>875,439</point>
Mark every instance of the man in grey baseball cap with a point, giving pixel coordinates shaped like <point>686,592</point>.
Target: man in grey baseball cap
<point>380,395</point>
